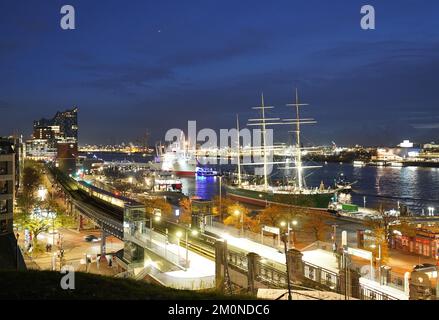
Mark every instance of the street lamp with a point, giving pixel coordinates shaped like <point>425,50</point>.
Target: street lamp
<point>294,224</point>
<point>42,193</point>
<point>373,246</point>
<point>290,227</point>
<point>156,219</point>
<point>179,234</point>
<point>284,240</point>
<point>241,214</point>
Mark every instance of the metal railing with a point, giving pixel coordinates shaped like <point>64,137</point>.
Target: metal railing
<point>272,276</point>
<point>367,293</point>
<point>237,259</point>
<point>321,275</point>
<point>159,245</point>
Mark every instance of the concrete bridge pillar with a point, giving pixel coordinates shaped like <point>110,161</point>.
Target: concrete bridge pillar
<point>253,260</point>
<point>219,262</point>
<point>80,222</point>
<point>295,263</point>
<point>103,245</point>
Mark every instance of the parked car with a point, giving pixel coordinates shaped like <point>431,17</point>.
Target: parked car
<point>91,238</point>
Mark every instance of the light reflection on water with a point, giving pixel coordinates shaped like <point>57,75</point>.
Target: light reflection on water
<point>416,187</point>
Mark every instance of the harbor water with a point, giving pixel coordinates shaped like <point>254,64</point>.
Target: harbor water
<point>415,187</point>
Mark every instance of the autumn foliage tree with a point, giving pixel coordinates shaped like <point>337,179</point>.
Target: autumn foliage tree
<point>158,203</point>
<point>317,224</point>
<point>221,205</point>
<point>186,210</point>
<point>272,216</point>
<point>238,216</point>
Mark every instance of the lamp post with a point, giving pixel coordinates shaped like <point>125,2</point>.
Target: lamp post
<point>294,223</point>
<point>18,250</point>
<point>241,215</point>
<point>179,234</point>
<point>284,225</point>
<point>379,260</point>
<point>285,240</point>
<point>194,233</point>
<point>157,219</point>
<point>290,227</point>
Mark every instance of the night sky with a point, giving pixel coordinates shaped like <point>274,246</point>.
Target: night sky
<point>132,66</point>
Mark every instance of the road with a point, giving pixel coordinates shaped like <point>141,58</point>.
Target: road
<point>75,250</point>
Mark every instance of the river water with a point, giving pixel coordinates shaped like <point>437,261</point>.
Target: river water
<point>416,187</point>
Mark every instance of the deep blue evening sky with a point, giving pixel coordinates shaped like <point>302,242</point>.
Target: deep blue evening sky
<point>137,65</point>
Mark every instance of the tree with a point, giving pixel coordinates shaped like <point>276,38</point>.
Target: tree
<point>31,177</point>
<point>123,187</point>
<point>186,210</point>
<point>27,199</point>
<point>221,205</point>
<point>158,203</point>
<point>381,246</point>
<point>238,216</point>
<point>382,223</point>
<point>272,216</point>
<point>34,223</point>
<point>317,225</point>
<point>61,218</point>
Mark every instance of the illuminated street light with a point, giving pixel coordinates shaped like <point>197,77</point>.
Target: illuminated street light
<point>179,234</point>
<point>156,216</point>
<point>373,246</point>
<point>239,213</point>
<point>42,193</point>
<point>294,223</point>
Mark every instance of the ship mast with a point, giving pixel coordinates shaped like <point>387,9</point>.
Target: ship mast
<point>263,124</point>
<point>298,147</point>
<point>239,151</point>
<point>297,122</point>
<point>264,144</point>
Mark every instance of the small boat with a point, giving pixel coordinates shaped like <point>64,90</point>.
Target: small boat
<point>396,164</point>
<point>359,164</point>
<point>206,172</point>
<point>342,185</point>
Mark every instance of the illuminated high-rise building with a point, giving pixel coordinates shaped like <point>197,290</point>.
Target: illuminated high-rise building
<point>51,136</point>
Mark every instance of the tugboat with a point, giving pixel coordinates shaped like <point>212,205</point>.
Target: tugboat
<point>343,185</point>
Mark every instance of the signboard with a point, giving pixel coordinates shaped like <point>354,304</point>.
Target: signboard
<point>360,253</point>
<point>271,230</point>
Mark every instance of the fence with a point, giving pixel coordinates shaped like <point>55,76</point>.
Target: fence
<point>272,276</point>
<point>219,228</point>
<point>168,280</point>
<point>158,244</point>
<point>321,275</point>
<point>367,293</point>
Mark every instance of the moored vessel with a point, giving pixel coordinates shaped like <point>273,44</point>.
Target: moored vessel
<point>293,193</point>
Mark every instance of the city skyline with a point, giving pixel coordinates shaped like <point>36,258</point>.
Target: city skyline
<point>170,63</point>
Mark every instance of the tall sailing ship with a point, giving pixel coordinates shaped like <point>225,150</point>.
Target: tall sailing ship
<point>293,193</point>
